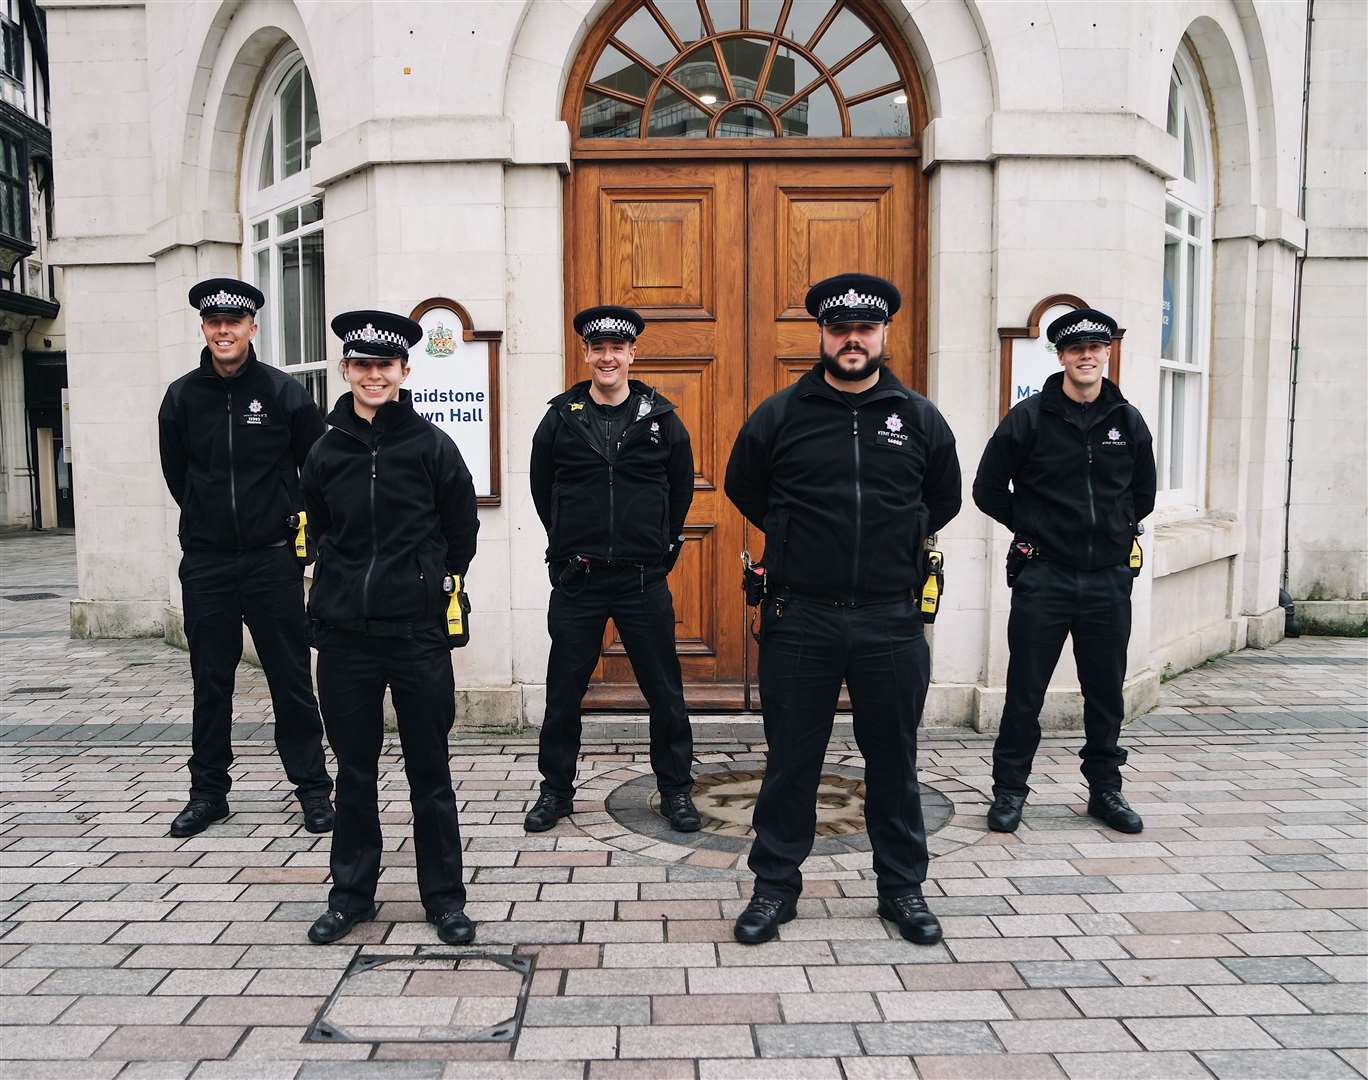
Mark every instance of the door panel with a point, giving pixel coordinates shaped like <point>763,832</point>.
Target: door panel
<point>665,239</point>
<point>718,256</point>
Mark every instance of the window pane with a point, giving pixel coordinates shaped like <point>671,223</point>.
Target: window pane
<point>1162,449</point>
<point>311,289</point>
<point>841,38</point>
<point>288,221</point>
<point>816,115</point>
<point>1166,337</point>
<point>643,35</point>
<point>1173,215</point>
<point>311,212</point>
<point>683,17</point>
<point>764,14</point>
<point>700,75</point>
<point>1190,307</point>
<point>263,282</point>
<point>885,115</point>
<point>290,347</point>
<point>1174,106</point>
<point>266,171</point>
<point>311,134</point>
<point>804,17</point>
<point>790,73</point>
<point>602,117</point>
<point>1177,428</point>
<point>316,383</point>
<point>874,69</point>
<point>726,14</point>
<point>1189,160</point>
<point>1194,224</point>
<point>616,72</point>
<point>292,124</point>
<point>745,122</point>
<point>676,117</point>
<point>744,58</point>
<point>261,230</point>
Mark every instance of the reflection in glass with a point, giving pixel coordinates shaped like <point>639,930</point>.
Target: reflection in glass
<point>1171,295</point>
<point>700,75</point>
<point>872,70</point>
<point>287,221</point>
<point>311,135</point>
<point>1173,107</point>
<point>263,282</point>
<point>289,304</point>
<point>841,38</point>
<point>885,115</point>
<point>744,57</point>
<point>311,212</point>
<point>1189,156</point>
<point>675,117</point>
<point>616,72</point>
<point>1194,226</point>
<point>684,19</point>
<point>804,18</point>
<point>1165,404</point>
<point>266,173</point>
<point>602,117</point>
<point>311,292</point>
<point>292,117</point>
<point>261,230</point>
<point>791,73</point>
<point>1190,305</point>
<point>1177,429</point>
<point>643,35</point>
<point>816,115</point>
<point>764,14</point>
<point>1173,216</point>
<point>726,14</point>
<point>745,122</point>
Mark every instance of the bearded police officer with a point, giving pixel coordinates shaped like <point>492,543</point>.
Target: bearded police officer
<point>847,472</point>
<point>612,479</point>
<point>1080,464</point>
<point>233,435</point>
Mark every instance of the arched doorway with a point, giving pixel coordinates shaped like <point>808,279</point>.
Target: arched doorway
<point>726,155</point>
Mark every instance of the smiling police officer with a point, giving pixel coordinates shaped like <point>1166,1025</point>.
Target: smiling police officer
<point>234,433</point>
<point>612,479</point>
<point>847,472</point>
<point>1080,464</point>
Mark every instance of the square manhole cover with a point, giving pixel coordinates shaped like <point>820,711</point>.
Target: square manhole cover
<point>426,997</point>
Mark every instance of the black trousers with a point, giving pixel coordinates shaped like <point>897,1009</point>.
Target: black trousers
<point>643,612</point>
<point>353,671</point>
<point>264,589</point>
<point>807,649</point>
<point>1049,602</point>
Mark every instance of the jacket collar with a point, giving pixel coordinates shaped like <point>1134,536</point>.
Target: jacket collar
<point>655,402</point>
<point>391,416</point>
<point>814,384</point>
<point>206,364</point>
<point>1052,396</point>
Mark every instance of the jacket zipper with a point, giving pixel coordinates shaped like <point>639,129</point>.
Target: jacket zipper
<point>859,510</point>
<point>1092,510</point>
<point>375,541</point>
<point>232,473</point>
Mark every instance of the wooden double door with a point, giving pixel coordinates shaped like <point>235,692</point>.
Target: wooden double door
<point>718,257</point>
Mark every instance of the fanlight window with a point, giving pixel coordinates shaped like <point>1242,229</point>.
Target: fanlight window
<point>746,69</point>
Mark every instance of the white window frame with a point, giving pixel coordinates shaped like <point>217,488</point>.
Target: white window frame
<point>1189,203</point>
<point>264,208</point>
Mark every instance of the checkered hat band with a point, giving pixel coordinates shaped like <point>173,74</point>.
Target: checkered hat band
<point>1085,326</point>
<point>609,324</point>
<point>223,298</point>
<point>853,299</point>
<point>369,333</point>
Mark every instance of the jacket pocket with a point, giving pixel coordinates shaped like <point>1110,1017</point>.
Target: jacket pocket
<point>776,540</point>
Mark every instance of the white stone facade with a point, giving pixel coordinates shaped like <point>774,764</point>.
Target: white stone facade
<point>442,162</point>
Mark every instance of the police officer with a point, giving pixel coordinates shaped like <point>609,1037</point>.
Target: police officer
<point>1080,463</point>
<point>847,472</point>
<point>233,434</point>
<point>612,479</point>
<point>393,507</point>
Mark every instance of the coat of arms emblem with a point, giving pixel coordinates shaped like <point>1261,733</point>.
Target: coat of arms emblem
<point>440,341</point>
<point>255,407</point>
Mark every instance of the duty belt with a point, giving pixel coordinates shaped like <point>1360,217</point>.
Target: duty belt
<point>375,627</point>
<point>785,592</point>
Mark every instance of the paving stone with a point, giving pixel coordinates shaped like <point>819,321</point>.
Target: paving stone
<point>944,1005</point>
<point>1132,1001</point>
<point>1277,969</point>
<point>1276,1065</point>
<point>1250,1000</point>
<point>716,1009</point>
<point>1167,1065</point>
<point>828,1008</point>
<point>687,1040</point>
<point>586,1011</point>
<point>946,1037</point>
<point>136,1042</point>
<point>799,1040</point>
<point>1059,1036</point>
<point>1203,1033</point>
<point>1064,973</point>
<point>751,1069</point>
<point>1170,972</point>
<point>981,1067</point>
<point>1307,1032</point>
<point>100,981</point>
<point>129,1009</point>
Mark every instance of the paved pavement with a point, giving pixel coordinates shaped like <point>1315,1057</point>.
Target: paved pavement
<point>1227,940</point>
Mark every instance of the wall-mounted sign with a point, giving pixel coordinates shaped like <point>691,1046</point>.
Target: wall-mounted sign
<point>454,380</point>
<point>1027,359</point>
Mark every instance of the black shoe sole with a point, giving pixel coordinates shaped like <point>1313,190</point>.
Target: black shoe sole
<point>1116,826</point>
<point>773,930</point>
<point>939,935</point>
<point>368,917</point>
<point>321,829</point>
<point>694,827</point>
<point>182,833</point>
<point>528,826</point>
<point>994,826</point>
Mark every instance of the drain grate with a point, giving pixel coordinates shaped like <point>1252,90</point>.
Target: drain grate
<point>20,597</point>
<point>40,689</point>
<point>426,997</point>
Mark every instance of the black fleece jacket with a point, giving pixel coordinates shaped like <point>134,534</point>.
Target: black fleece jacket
<point>392,506</point>
<point>1081,478</point>
<point>846,489</point>
<point>611,497</point>
<point>231,451</point>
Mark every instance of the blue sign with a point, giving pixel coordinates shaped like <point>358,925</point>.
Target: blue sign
<point>1166,319</point>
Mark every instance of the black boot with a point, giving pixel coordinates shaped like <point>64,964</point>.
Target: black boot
<point>1005,813</point>
<point>915,921</point>
<point>549,810</point>
<point>1111,808</point>
<point>680,812</point>
<point>318,814</point>
<point>197,816</point>
<point>762,917</point>
<point>335,925</point>
<point>453,927</point>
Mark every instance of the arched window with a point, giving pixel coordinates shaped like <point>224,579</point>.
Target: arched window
<point>1185,346</point>
<point>743,69</point>
<point>283,222</point>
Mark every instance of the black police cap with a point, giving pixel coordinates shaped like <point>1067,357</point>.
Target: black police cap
<point>226,296</point>
<point>609,322</point>
<point>376,333</point>
<point>1079,326</point>
<point>848,298</point>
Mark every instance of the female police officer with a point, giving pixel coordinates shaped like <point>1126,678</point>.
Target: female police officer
<point>393,508</point>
